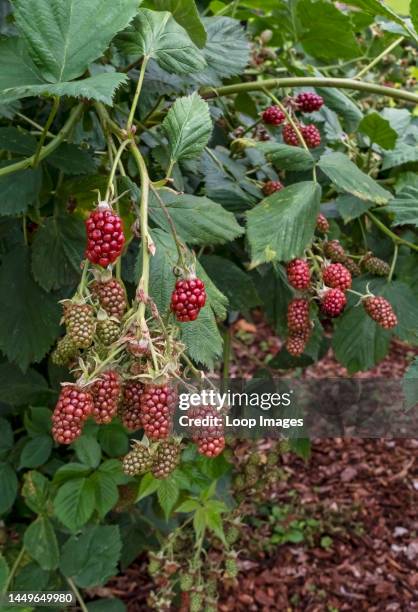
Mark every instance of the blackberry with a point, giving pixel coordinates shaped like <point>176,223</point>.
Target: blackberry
<point>138,460</point>
<point>80,324</point>
<point>166,458</point>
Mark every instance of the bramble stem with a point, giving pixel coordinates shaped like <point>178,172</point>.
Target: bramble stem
<point>137,93</point>
<point>50,147</point>
<point>13,570</point>
<point>394,260</point>
<point>396,239</point>
<point>51,117</point>
<point>211,92</point>
<point>377,59</point>
<point>77,594</point>
<point>116,160</point>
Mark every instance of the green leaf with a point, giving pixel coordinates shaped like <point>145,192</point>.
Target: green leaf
<point>71,159</point>
<point>202,338</point>
<point>326,32</point>
<point>17,141</point>
<point>75,502</point>
<point>57,251</point>
<point>19,78</point>
<point>36,489</point>
<point>190,505</point>
<point>69,471</point>
<point>376,8</point>
<point>6,436</point>
<point>199,522</point>
<point>168,494</point>
<point>188,127</point>
<point>404,207</point>
<point>413,10</point>
<point>347,177</point>
<point>378,130</point>
<point>91,558</point>
<point>8,487</point>
<point>31,578</point>
<point>227,50</point>
<point>37,421</point>
<point>283,224</point>
<point>18,389</point>
<point>198,220</point>
<point>88,450</point>
<point>110,604</point>
<point>187,15</point>
<point>157,35</point>
<point>301,446</point>
<point>403,153</point>
<point>36,452</point>
<point>287,157</point>
<point>4,572</point>
<point>19,190</point>
<point>217,300</point>
<point>106,492</point>
<point>30,317</point>
<point>41,543</point>
<point>405,305</point>
<point>148,486</point>
<point>232,281</point>
<point>113,439</point>
<point>339,102</point>
<point>58,33</point>
<point>351,207</point>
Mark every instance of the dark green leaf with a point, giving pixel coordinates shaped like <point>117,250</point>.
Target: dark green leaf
<point>402,154</point>
<point>301,446</point>
<point>91,558</point>
<point>202,338</point>
<point>378,130</point>
<point>351,207</point>
<point>286,157</point>
<point>4,572</point>
<point>6,436</point>
<point>8,487</point>
<point>106,492</point>
<point>19,190</point>
<point>168,494</point>
<point>113,439</point>
<point>17,141</point>
<point>18,389</point>
<point>74,503</point>
<point>36,490</point>
<point>404,207</point>
<point>283,224</point>
<point>41,543</point>
<point>72,160</point>
<point>187,15</point>
<point>88,450</point>
<point>36,452</point>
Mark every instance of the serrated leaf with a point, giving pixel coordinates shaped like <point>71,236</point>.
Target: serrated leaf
<point>36,452</point>
<point>19,190</point>
<point>157,35</point>
<point>282,225</point>
<point>37,421</point>
<point>190,505</point>
<point>186,14</point>
<point>214,523</point>
<point>57,251</point>
<point>8,487</point>
<point>168,494</point>
<point>404,207</point>
<point>405,305</point>
<point>403,153</point>
<point>339,102</point>
<point>91,557</point>
<point>287,157</point>
<point>88,450</point>
<point>376,7</point>
<point>36,489</point>
<point>325,32</point>
<point>378,130</point>
<point>106,492</point>
<point>351,207</point>
<point>202,338</point>
<point>71,159</point>
<point>18,389</point>
<point>30,317</point>
<point>188,127</point>
<point>227,50</point>
<point>41,543</point>
<point>149,484</point>
<point>198,220</point>
<point>31,578</point>
<point>58,33</point>
<point>347,177</point>
<point>70,471</point>
<point>74,503</point>
<point>113,439</point>
<point>217,300</point>
<point>19,78</point>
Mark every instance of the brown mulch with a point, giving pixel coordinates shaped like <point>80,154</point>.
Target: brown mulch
<point>371,483</point>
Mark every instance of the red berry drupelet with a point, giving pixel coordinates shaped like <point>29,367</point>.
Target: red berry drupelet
<point>273,115</point>
<point>211,446</point>
<point>131,407</point>
<point>74,406</point>
<point>106,394</point>
<point>337,276</point>
<point>308,102</point>
<point>322,224</point>
<point>381,311</point>
<point>333,302</point>
<point>111,296</point>
<point>290,137</point>
<point>188,298</point>
<point>105,237</point>
<point>298,274</point>
<point>298,315</point>
<point>311,136</point>
<point>157,408</point>
<point>271,187</point>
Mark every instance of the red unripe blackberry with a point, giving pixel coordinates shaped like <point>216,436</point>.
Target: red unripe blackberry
<point>375,265</point>
<point>351,266</point>
<point>166,459</point>
<point>211,446</point>
<point>131,407</point>
<point>290,137</point>
<point>157,407</point>
<point>296,342</point>
<point>334,251</point>
<point>381,311</point>
<point>337,276</point>
<point>309,102</point>
<point>298,315</point>
<point>333,302</point>
<point>106,395</point>
<point>188,298</point>
<point>80,323</point>
<point>273,115</point>
<point>298,274</point>
<point>322,224</point>
<point>311,136</point>
<point>105,238</point>
<point>213,425</point>
<point>72,409</point>
<point>111,296</point>
<point>271,187</point>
